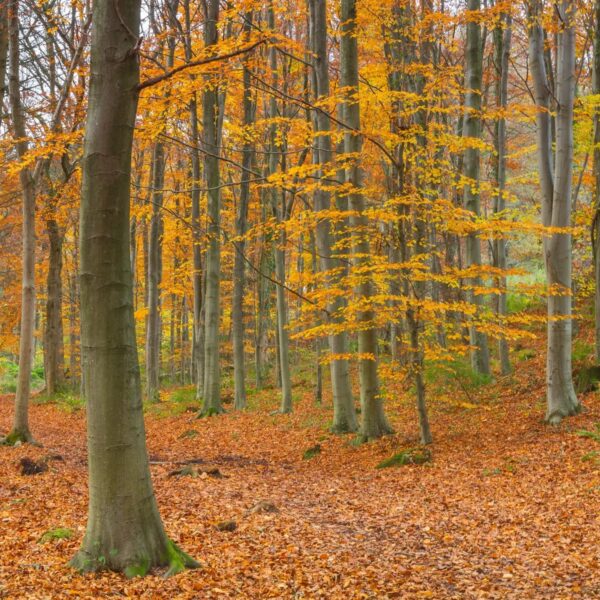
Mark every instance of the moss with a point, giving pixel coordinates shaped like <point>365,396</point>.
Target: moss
<point>312,452</point>
<point>593,435</point>
<point>525,354</point>
<point>178,560</point>
<point>211,411</point>
<point>412,456</point>
<point>586,379</point>
<point>17,435</point>
<point>139,569</point>
<point>60,533</point>
<point>190,433</point>
<point>174,558</point>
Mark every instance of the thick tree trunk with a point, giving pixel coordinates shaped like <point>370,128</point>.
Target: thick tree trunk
<point>20,430</point>
<point>344,413</point>
<point>239,267</point>
<point>502,42</point>
<point>374,422</point>
<point>53,333</point>
<point>556,204</point>
<point>153,321</point>
<point>210,98</point>
<point>480,355</point>
<point>124,530</point>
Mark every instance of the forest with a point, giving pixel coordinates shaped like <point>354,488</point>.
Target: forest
<point>299,299</point>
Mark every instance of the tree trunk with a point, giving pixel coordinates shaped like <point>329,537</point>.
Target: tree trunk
<point>124,530</point>
<point>596,155</point>
<point>374,422</point>
<point>556,204</point>
<point>344,413</point>
<point>264,302</point>
<point>279,211</point>
<point>239,267</point>
<point>20,430</point>
<point>480,355</point>
<point>502,42</point>
<point>53,334</point>
<point>198,329</point>
<point>4,38</point>
<point>212,379</point>
<point>153,321</point>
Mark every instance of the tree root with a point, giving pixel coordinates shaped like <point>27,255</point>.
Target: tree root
<point>174,558</point>
<point>18,436</point>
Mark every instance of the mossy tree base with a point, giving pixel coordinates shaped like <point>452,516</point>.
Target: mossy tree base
<point>138,565</point>
<point>18,435</point>
<point>343,427</point>
<point>211,411</point>
<point>374,425</point>
<point>555,416</point>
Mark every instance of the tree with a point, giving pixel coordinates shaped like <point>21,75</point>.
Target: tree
<point>596,159</point>
<point>555,177</point>
<point>281,214</point>
<point>344,413</point>
<point>211,137</point>
<point>239,265</point>
<point>124,530</point>
<point>4,37</point>
<point>20,430</point>
<point>480,355</point>
<point>374,422</point>
<point>502,42</point>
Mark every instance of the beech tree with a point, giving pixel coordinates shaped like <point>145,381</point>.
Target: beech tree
<point>124,530</point>
<point>480,354</point>
<point>20,430</point>
<point>211,135</point>
<point>344,413</point>
<point>556,173</point>
<point>374,422</point>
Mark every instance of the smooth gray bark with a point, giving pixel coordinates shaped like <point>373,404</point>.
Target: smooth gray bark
<point>555,178</point>
<point>374,422</point>
<point>4,37</point>
<point>344,413</point>
<point>278,204</point>
<point>20,430</point>
<point>480,355</point>
<point>211,138</point>
<point>596,167</point>
<point>239,266</point>
<point>197,279</point>
<point>124,530</point>
<point>53,332</point>
<point>502,44</point>
<point>153,321</point>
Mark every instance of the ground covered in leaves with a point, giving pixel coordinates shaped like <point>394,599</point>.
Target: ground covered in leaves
<point>505,508</point>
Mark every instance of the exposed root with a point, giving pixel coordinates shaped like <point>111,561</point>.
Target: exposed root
<point>18,437</point>
<point>210,411</point>
<point>174,558</point>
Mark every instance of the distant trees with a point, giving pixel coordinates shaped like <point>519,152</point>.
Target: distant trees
<point>339,182</point>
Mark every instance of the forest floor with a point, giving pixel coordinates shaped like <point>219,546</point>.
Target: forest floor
<point>507,508</point>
